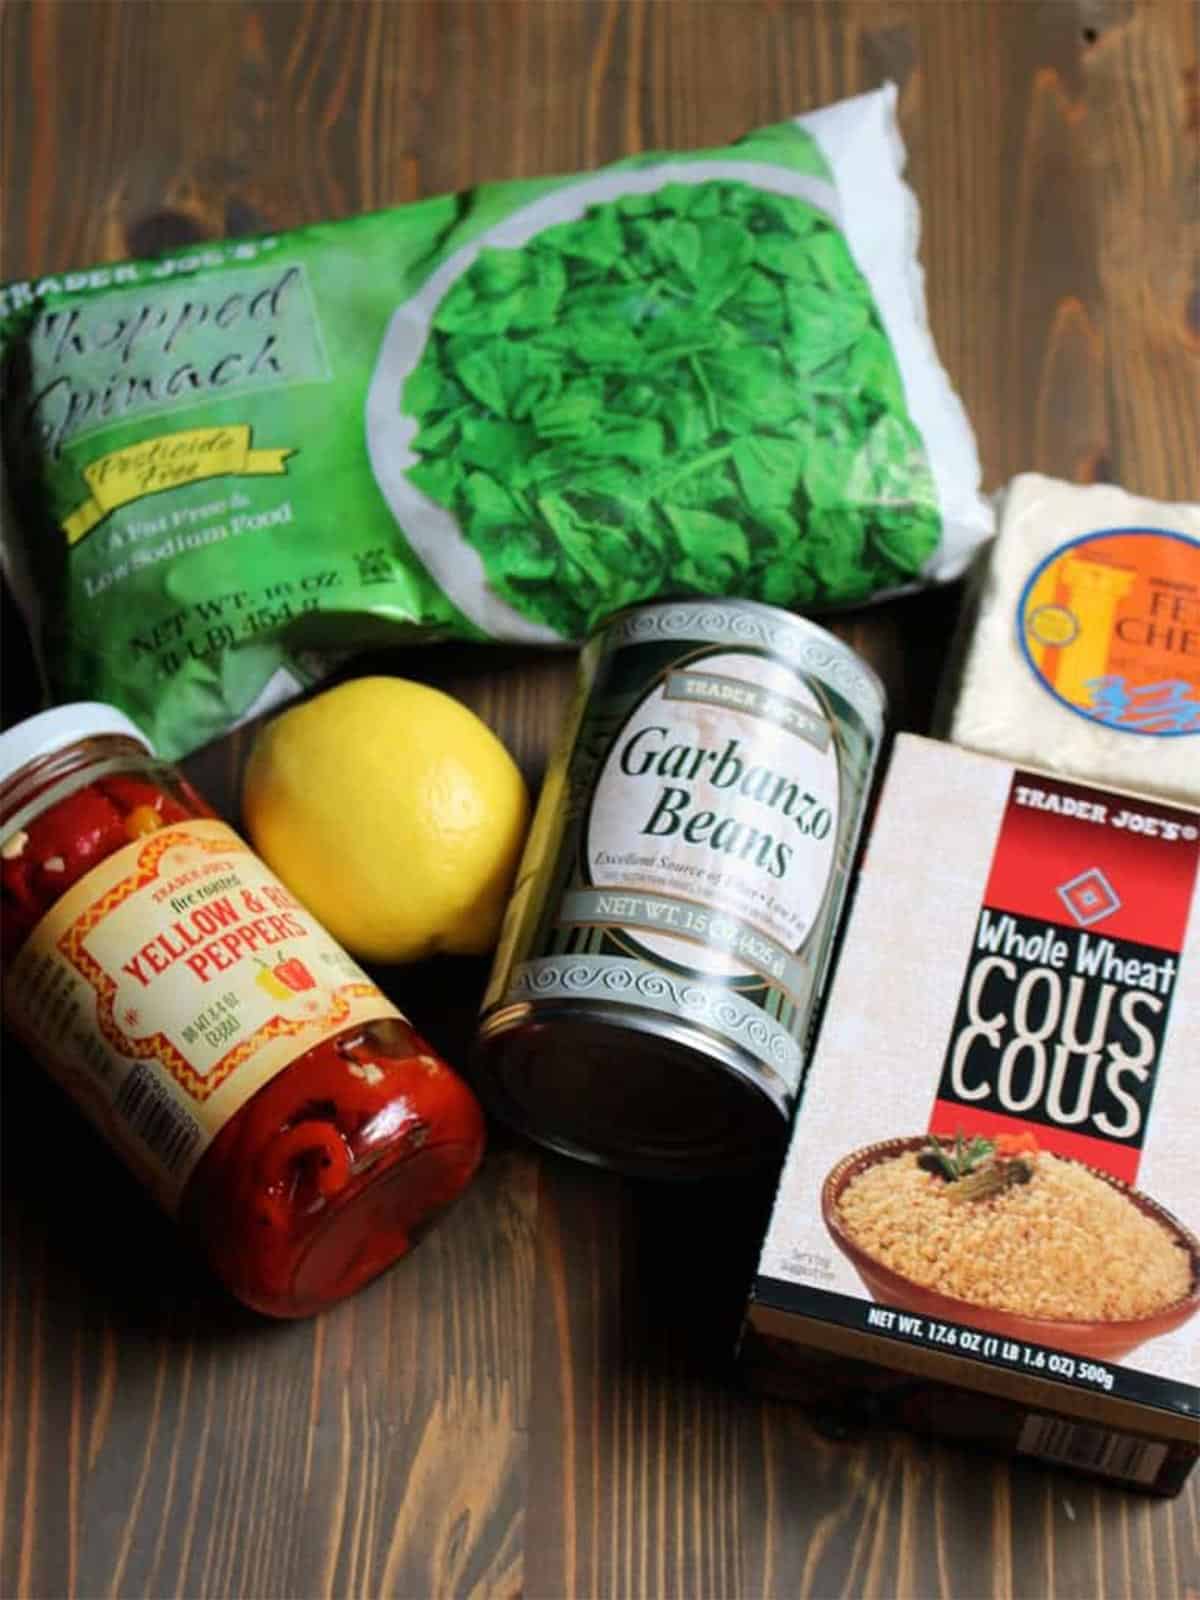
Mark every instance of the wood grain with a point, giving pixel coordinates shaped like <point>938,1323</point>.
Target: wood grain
<point>540,1402</point>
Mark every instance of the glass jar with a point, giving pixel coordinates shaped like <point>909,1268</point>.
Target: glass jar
<point>239,1060</point>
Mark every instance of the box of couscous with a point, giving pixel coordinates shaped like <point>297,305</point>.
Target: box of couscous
<point>986,1225</point>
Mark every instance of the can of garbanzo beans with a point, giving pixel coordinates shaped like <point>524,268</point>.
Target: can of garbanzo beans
<point>670,929</point>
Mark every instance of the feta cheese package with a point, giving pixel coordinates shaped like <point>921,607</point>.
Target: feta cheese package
<point>987,1221</point>
<point>1081,646</point>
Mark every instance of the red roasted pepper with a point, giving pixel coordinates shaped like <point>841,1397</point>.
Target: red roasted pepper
<point>295,974</point>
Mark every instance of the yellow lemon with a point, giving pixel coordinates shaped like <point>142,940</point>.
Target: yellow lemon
<point>393,813</point>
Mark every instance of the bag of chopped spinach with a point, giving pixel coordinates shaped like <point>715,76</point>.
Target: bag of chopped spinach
<point>498,416</point>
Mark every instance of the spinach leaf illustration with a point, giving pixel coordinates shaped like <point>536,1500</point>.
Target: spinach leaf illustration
<point>684,390</point>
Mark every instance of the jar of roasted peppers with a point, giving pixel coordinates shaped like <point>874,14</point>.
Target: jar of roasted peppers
<point>237,1058</point>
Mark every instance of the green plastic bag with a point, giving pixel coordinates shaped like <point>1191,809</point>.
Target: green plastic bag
<point>500,416</point>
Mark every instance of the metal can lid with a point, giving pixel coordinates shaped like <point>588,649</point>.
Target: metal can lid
<point>636,1094</point>
<point>753,625</point>
<point>48,731</point>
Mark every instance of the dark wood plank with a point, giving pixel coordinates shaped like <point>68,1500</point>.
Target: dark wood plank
<point>540,1401</point>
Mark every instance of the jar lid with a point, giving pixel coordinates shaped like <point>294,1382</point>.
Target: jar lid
<point>55,730</point>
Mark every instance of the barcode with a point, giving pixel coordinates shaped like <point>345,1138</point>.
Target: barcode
<point>164,1126</point>
<point>1076,1444</point>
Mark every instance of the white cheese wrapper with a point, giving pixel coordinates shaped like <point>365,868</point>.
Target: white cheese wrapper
<point>1083,654</point>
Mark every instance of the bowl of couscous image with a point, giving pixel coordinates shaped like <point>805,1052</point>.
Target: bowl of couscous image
<point>999,1234</point>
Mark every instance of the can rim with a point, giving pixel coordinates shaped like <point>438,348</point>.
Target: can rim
<point>776,614</point>
<point>706,1053</point>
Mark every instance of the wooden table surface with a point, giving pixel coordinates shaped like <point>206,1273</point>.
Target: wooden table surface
<point>540,1401</point>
